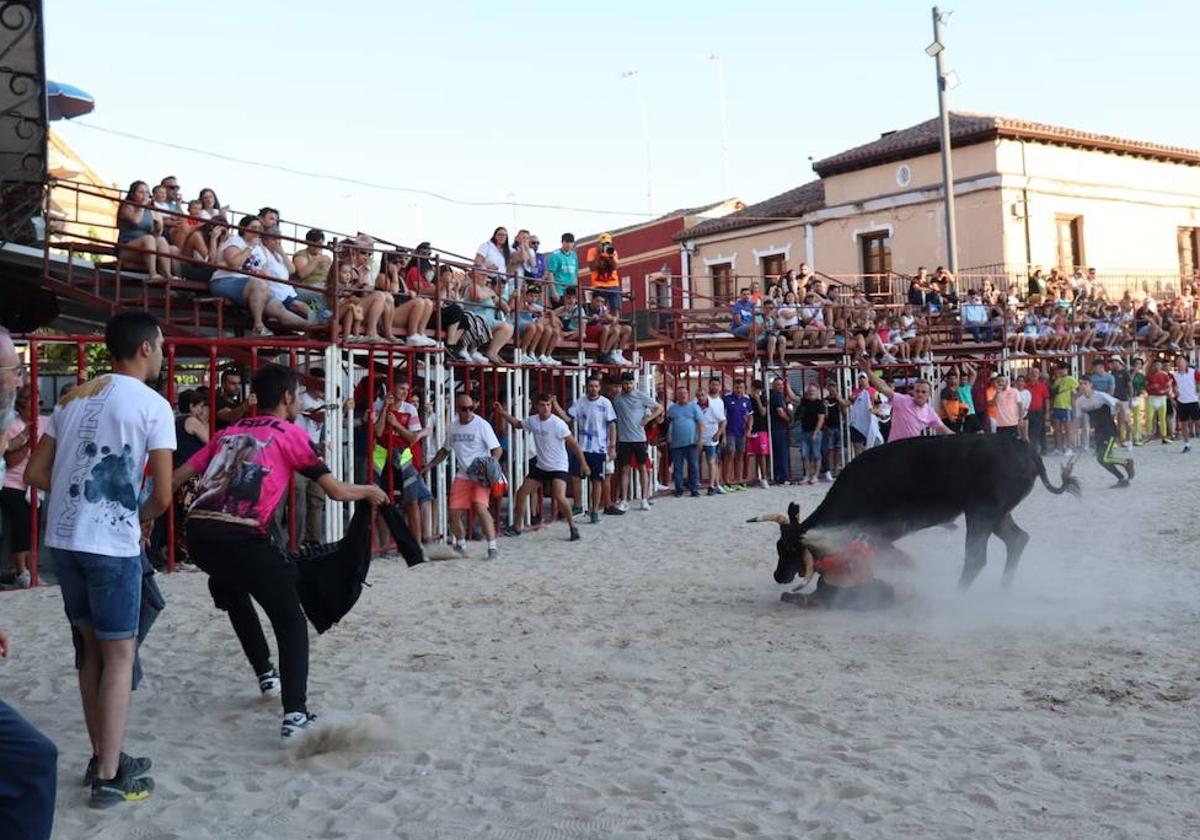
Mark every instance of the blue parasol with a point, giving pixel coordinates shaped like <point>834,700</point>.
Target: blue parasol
<point>65,102</point>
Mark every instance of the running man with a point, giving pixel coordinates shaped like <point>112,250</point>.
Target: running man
<point>551,440</point>
<point>111,427</point>
<point>1101,408</point>
<point>244,472</point>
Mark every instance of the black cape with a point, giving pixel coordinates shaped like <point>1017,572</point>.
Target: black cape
<point>330,577</point>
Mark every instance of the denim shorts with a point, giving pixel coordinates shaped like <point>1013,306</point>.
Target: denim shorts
<point>231,288</point>
<point>711,451</point>
<point>101,592</point>
<point>810,446</point>
<point>1062,415</point>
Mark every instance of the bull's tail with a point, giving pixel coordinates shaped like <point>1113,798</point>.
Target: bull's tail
<point>1070,484</point>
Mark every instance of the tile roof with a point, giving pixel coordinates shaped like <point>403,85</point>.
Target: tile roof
<point>793,203</point>
<point>968,128</point>
<point>674,214</point>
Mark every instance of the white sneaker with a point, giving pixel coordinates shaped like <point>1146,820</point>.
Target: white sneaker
<point>480,359</point>
<point>546,360</point>
<point>463,355</point>
<point>23,580</point>
<point>623,506</point>
<point>645,504</point>
<point>419,340</point>
<point>295,726</point>
<point>889,359</point>
<point>763,484</point>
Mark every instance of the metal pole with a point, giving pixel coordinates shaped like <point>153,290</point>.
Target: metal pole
<point>947,167</point>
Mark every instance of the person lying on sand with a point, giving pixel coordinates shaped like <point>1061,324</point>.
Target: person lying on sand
<point>847,574</point>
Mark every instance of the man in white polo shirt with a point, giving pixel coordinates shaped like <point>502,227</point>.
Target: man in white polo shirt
<point>1187,405</point>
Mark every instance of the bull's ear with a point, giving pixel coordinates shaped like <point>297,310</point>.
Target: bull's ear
<point>794,513</point>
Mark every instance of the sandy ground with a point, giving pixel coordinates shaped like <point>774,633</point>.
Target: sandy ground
<point>649,683</point>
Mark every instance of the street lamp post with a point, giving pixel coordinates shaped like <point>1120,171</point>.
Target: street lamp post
<point>945,81</point>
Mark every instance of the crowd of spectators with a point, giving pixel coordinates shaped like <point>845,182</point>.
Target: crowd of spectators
<point>511,293</point>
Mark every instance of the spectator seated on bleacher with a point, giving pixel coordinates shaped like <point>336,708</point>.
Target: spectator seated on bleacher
<point>485,302</point>
<point>280,268</point>
<point>410,312</point>
<point>975,318</point>
<point>311,267</point>
<point>741,313</point>
<point>140,243</point>
<point>605,329</point>
<point>537,329</point>
<point>244,252</point>
<point>210,205</point>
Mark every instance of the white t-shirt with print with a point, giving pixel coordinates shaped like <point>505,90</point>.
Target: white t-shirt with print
<point>592,418</point>
<point>103,432</point>
<point>256,260</point>
<point>550,441</point>
<point>471,440</point>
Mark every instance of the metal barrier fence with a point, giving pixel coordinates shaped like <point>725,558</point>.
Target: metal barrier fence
<point>359,378</point>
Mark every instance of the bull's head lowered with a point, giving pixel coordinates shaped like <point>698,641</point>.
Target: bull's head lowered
<point>794,555</point>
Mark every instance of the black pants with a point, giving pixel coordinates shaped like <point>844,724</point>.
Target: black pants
<point>240,569</point>
<point>1037,430</point>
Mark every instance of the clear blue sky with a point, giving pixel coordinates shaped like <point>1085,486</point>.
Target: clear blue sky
<point>495,101</point>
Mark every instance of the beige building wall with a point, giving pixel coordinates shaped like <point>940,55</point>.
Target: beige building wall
<point>924,172</point>
<point>1131,208</point>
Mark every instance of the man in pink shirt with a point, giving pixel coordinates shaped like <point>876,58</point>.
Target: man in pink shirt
<point>1007,403</point>
<point>911,416</point>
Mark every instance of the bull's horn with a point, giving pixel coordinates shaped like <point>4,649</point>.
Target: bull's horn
<point>808,567</point>
<point>777,518</point>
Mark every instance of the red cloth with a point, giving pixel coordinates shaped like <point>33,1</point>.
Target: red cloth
<point>856,559</point>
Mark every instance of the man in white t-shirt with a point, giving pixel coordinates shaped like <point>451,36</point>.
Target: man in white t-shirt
<point>470,437</point>
<point>91,460</point>
<point>551,440</point>
<point>712,410</point>
<point>596,428</point>
<point>1187,404</point>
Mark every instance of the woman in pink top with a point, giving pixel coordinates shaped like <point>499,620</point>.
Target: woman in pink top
<point>15,506</point>
<point>1007,403</point>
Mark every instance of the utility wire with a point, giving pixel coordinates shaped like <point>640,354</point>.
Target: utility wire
<point>354,181</point>
<point>392,188</point>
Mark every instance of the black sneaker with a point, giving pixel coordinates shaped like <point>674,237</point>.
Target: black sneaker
<point>695,494</point>
<point>510,531</point>
<point>126,764</point>
<point>613,510</point>
<point>677,494</point>
<point>270,684</point>
<point>574,535</point>
<point>712,491</point>
<point>1129,467</point>
<point>124,788</point>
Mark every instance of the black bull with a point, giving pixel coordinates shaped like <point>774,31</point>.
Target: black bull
<point>908,485</point>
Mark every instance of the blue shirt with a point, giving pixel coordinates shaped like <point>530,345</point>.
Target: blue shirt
<point>683,430</point>
<point>564,269</point>
<point>745,308</point>
<point>736,410</point>
<point>1106,383</point>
